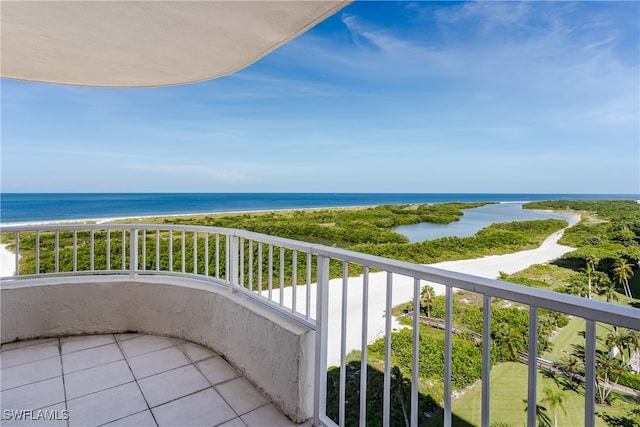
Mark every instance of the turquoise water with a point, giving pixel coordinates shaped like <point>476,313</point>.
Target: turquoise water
<point>476,219</point>
<point>45,207</point>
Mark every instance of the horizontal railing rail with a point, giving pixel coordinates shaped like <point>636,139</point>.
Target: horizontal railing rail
<point>295,279</point>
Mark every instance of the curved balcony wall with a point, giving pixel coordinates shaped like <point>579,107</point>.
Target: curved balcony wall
<point>273,352</point>
<point>264,303</point>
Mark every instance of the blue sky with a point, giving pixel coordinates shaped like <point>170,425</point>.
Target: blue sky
<point>382,97</point>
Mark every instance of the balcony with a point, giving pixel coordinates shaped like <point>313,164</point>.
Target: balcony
<point>129,379</point>
<point>280,312</point>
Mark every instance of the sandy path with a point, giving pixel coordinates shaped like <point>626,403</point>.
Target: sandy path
<point>488,267</point>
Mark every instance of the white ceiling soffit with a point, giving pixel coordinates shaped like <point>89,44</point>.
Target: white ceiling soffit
<point>146,43</point>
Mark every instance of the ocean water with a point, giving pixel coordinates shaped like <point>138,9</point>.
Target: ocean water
<point>17,208</point>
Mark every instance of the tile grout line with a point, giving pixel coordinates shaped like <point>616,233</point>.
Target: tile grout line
<point>127,416</point>
<point>212,386</point>
<point>86,348</point>
<point>173,344</point>
<point>64,384</point>
<point>126,360</point>
<point>35,360</point>
<point>34,382</point>
<point>48,340</point>
<point>47,379</point>
<point>192,363</point>
<point>215,386</point>
<point>101,390</point>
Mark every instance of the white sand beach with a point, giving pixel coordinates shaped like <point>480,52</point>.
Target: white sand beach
<point>7,261</point>
<point>488,267</point>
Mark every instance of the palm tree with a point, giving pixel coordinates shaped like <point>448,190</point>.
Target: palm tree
<point>607,288</point>
<point>541,414</point>
<point>545,329</point>
<point>570,364</point>
<point>628,341</point>
<point>578,287</point>
<point>505,338</point>
<point>401,389</point>
<point>635,342</point>
<point>590,269</point>
<point>616,341</point>
<point>427,295</point>
<point>623,272</point>
<point>555,399</point>
<point>605,367</point>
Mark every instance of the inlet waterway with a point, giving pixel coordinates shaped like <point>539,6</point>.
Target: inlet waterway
<point>476,219</point>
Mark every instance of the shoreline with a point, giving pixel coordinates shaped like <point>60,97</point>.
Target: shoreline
<point>222,213</point>
<point>218,206</point>
<point>7,258</point>
<point>217,213</point>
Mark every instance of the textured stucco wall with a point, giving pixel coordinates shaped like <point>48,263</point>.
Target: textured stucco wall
<point>272,351</point>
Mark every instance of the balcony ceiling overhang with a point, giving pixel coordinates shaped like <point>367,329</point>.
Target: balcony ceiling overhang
<point>146,43</point>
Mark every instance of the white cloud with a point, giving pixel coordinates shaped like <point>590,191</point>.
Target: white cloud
<point>488,14</point>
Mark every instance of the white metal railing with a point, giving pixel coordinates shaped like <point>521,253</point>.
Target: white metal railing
<point>293,278</point>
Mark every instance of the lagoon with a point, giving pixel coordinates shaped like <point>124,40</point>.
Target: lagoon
<point>476,219</point>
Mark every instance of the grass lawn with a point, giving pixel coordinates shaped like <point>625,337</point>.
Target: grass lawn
<point>508,390</point>
<point>547,276</point>
<point>569,335</point>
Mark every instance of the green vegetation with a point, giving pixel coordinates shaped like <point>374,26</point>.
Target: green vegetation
<point>608,247</point>
<point>400,395</point>
<point>467,359</point>
<point>581,272</point>
<point>336,227</point>
<point>508,395</point>
<point>571,335</point>
<point>356,229</point>
<point>509,322</point>
<point>496,239</point>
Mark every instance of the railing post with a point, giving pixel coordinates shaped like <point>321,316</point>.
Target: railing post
<point>386,387</point>
<point>322,313</point>
<point>486,360</point>
<point>415,353</point>
<point>363,358</point>
<point>532,361</point>
<point>590,373</point>
<point>448,343</point>
<point>133,252</point>
<point>37,252</point>
<point>233,262</point>
<point>17,257</point>
<point>57,253</point>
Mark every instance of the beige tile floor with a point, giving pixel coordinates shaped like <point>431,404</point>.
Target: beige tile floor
<point>127,380</point>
